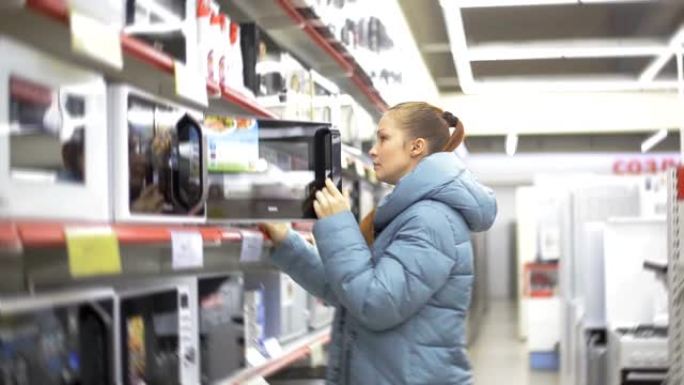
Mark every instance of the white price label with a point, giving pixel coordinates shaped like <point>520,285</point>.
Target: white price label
<point>273,348</point>
<point>254,357</point>
<point>190,84</point>
<point>97,40</point>
<point>252,246</point>
<point>187,250</point>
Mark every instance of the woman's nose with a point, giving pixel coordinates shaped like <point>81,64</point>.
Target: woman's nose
<point>373,153</point>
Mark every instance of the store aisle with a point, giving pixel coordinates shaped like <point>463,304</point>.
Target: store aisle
<point>498,356</point>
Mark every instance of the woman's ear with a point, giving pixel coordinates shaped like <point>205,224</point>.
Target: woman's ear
<point>418,147</point>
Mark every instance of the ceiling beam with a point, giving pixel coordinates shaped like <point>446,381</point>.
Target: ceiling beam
<point>657,64</point>
<point>435,48</point>
<point>567,49</point>
<point>447,81</point>
<point>518,3</point>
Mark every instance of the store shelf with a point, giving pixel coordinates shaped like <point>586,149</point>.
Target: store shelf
<point>51,234</point>
<point>291,353</point>
<point>287,26</point>
<point>44,24</point>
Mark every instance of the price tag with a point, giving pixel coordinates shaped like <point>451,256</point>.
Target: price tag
<point>190,85</point>
<point>317,354</point>
<point>252,246</point>
<point>254,357</point>
<point>92,38</point>
<point>187,250</point>
<point>92,251</point>
<point>273,348</point>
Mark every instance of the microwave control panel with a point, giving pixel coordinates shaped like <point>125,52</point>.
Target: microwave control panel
<point>187,344</point>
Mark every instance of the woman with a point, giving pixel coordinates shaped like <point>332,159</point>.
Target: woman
<point>402,288</point>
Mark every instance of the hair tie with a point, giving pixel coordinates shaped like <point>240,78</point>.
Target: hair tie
<point>450,118</point>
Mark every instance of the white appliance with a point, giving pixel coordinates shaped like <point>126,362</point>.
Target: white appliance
<point>159,158</point>
<point>631,291</point>
<point>158,332</point>
<point>591,199</point>
<point>53,138</point>
<point>285,304</point>
<point>637,349</point>
<point>543,324</point>
<point>638,356</point>
<point>591,254</point>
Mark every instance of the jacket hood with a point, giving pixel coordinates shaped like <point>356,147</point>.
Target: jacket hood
<point>441,177</point>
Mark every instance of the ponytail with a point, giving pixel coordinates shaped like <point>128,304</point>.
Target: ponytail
<point>367,225</point>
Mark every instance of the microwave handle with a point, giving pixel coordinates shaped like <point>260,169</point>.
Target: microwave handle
<point>323,140</point>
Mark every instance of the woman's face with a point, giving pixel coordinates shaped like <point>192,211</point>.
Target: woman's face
<point>391,153</point>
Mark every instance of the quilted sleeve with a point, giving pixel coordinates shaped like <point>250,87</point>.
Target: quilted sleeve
<point>300,260</point>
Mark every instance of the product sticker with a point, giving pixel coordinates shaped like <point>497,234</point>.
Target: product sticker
<point>233,144</point>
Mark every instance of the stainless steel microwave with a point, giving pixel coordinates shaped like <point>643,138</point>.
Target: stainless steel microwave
<point>293,159</point>
<point>159,158</point>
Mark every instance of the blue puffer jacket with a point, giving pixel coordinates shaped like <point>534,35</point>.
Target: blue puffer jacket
<point>402,304</point>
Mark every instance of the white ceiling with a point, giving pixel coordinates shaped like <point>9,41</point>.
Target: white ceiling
<point>481,46</point>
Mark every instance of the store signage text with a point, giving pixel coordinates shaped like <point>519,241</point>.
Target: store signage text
<point>643,165</point>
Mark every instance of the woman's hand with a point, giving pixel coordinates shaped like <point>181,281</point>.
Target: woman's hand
<point>330,201</point>
<point>276,231</point>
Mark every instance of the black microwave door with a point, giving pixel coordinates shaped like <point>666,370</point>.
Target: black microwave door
<point>188,177</point>
<point>65,345</point>
<point>150,340</point>
<point>96,345</point>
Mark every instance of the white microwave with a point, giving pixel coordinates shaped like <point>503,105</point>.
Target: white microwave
<point>159,158</point>
<point>158,333</point>
<point>53,138</point>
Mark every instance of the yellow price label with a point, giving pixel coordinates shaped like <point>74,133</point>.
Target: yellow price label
<point>92,251</point>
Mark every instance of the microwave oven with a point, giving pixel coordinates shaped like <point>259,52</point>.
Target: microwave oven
<point>168,25</point>
<point>159,159</point>
<point>158,332</point>
<point>222,322</point>
<point>61,338</point>
<point>293,159</point>
<point>285,304</point>
<point>53,138</point>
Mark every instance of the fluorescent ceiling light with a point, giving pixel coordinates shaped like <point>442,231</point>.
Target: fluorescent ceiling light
<point>653,140</point>
<point>550,84</point>
<point>511,144</point>
<point>561,49</point>
<point>518,3</point>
